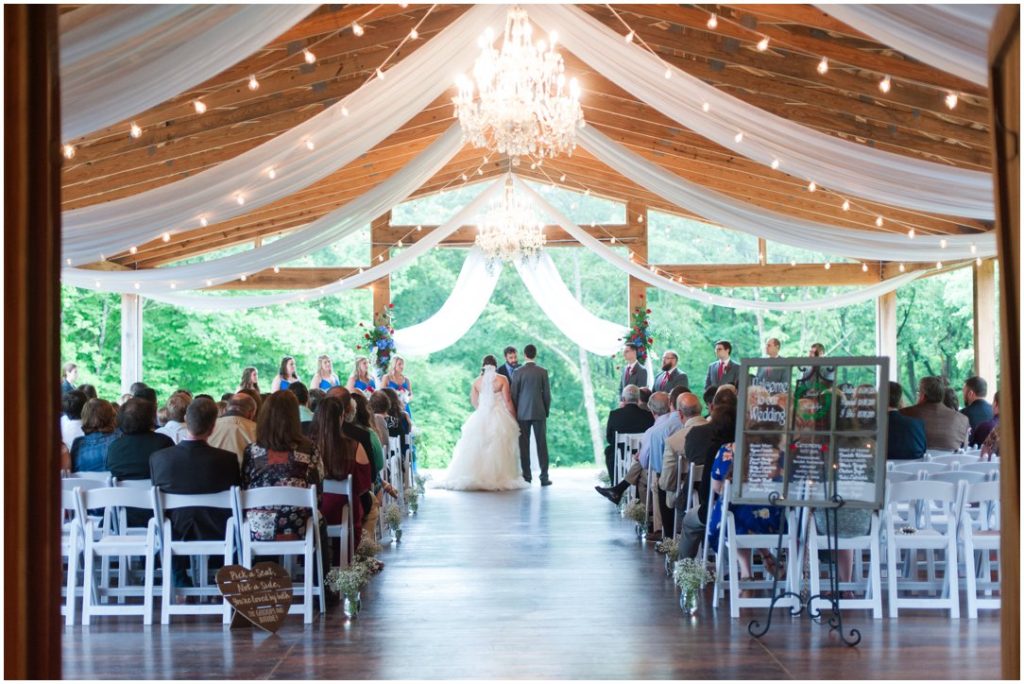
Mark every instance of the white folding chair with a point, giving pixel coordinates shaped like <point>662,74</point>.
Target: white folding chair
<point>871,585</point>
<point>959,459</point>
<point>309,548</point>
<point>979,544</point>
<point>899,476</point>
<point>917,466</point>
<point>395,469</point>
<point>119,545</point>
<point>202,548</point>
<point>691,499</point>
<point>345,531</point>
<point>103,476</point>
<point>914,528</point>
<point>632,446</point>
<point>73,541</point>
<point>985,467</point>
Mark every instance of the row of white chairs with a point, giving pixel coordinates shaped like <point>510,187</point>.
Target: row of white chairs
<point>101,538</point>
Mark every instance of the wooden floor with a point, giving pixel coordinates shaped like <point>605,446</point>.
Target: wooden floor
<point>537,584</point>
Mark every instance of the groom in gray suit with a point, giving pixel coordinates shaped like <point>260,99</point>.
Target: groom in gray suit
<point>531,395</point>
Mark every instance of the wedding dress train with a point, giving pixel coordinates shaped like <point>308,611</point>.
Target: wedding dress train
<point>486,456</point>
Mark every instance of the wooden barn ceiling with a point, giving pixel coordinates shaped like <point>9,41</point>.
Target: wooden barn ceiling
<point>911,119</point>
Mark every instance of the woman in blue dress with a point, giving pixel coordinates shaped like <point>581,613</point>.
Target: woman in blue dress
<point>285,375</point>
<point>361,379</point>
<point>324,378</point>
<point>396,380</point>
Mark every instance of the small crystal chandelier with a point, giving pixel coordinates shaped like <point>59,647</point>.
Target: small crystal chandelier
<point>510,230</point>
<point>526,106</point>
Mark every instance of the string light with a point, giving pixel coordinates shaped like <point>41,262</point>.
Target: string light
<point>562,178</point>
<point>739,137</point>
<point>938,264</point>
<point>902,268</point>
<point>277,269</point>
<point>136,130</point>
<point>943,243</point>
<point>713,21</point>
<point>271,173</point>
<point>400,244</point>
<point>812,186</point>
<point>775,164</point>
<point>68,151</point>
<point>846,205</point>
<point>344,110</point>
<point>240,198</point>
<point>199,106</point>
<point>137,285</point>
<point>706,106</point>
<point>668,72</point>
<point>864,267</point>
<point>951,100</point>
<point>203,222</point>
<point>762,44</point>
<point>209,283</point>
<point>879,221</point>
<point>253,83</point>
<point>885,84</point>
<point>380,73</point>
<point>173,286</point>
<point>243,277</point>
<point>978,261</point>
<point>166,237</point>
<point>793,263</point>
<point>357,29</point>
<point>419,228</point>
<point>309,56</point>
<point>612,240</point>
<point>828,265</point>
<point>414,34</point>
<point>133,249</point>
<point>911,233</point>
<point>67,261</point>
<point>974,248</point>
<point>823,66</point>
<point>629,37</point>
<point>310,145</point>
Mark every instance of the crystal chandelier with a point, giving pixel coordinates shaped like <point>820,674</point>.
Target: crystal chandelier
<point>510,230</point>
<point>525,106</point>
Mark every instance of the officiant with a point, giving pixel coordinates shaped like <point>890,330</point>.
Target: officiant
<point>511,363</point>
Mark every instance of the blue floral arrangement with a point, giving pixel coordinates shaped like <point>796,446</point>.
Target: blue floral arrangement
<point>379,339</point>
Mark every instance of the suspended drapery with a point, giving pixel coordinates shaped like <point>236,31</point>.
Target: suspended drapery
<point>953,38</point>
<point>239,303</point>
<point>119,60</point>
<point>339,135</point>
<point>314,236</point>
<point>696,294</point>
<point>731,213</point>
<point>831,162</point>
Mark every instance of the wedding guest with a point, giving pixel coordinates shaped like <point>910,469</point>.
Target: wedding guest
<point>324,378</point>
<point>302,394</point>
<point>365,418</point>
<point>629,418</point>
<point>949,398</point>
<point>256,397</point>
<point>128,455</point>
<point>975,407</point>
<point>709,398</point>
<point>176,406</point>
<point>944,428</point>
<point>990,447</point>
<point>350,428</point>
<point>222,408</point>
<point>670,376</point>
<point>397,381</point>
<point>282,457</point>
<point>674,465</point>
<point>361,379</point>
<point>981,433</point>
<point>771,373</point>
<point>71,404</point>
<point>377,406</point>
<point>645,396</point>
<point>652,447</point>
<point>226,397</point>
<point>99,425</point>
<point>343,458</point>
<point>634,373</point>
<point>511,363</point>
<point>822,376</point>
<point>250,380</point>
<point>722,371</point>
<point>88,390</point>
<point>315,397</point>
<point>906,435</point>
<point>68,377</point>
<point>236,429</point>
<point>285,375</point>
<point>140,390</point>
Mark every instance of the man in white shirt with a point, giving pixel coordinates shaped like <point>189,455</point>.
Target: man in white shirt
<point>175,427</point>
<point>72,404</point>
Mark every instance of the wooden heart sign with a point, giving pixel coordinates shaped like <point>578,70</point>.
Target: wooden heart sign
<point>261,595</point>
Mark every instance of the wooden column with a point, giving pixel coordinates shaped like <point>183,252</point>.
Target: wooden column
<point>1004,82</point>
<point>380,248</point>
<point>985,321</point>
<point>131,341</point>
<point>636,219</point>
<point>885,332</point>
<point>32,161</point>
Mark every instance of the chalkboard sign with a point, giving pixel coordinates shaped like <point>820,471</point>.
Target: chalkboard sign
<point>262,595</point>
<point>811,428</point>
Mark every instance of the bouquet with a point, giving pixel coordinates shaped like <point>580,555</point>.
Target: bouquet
<point>348,582</point>
<point>670,547</point>
<point>378,339</point>
<point>691,575</point>
<point>636,511</point>
<point>639,333</point>
<point>393,517</point>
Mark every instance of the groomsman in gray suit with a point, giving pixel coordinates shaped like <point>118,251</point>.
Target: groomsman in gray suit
<point>634,373</point>
<point>531,395</point>
<point>723,371</point>
<point>772,374</point>
<point>670,376</point>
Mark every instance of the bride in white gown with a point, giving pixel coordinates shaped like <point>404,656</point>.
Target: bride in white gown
<point>486,456</point>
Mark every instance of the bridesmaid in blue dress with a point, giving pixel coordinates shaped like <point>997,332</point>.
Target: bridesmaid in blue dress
<point>361,379</point>
<point>396,380</point>
<point>285,376</point>
<point>324,378</point>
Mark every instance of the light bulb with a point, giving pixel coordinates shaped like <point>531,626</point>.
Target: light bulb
<point>828,265</point>
<point>344,110</point>
<point>938,264</point>
<point>613,240</point>
<point>133,249</point>
<point>253,83</point>
<point>943,243</point>
<point>713,21</point>
<point>587,192</point>
<point>271,173</point>
<point>775,164</point>
<point>823,66</point>
<point>974,248</point>
<point>562,178</point>
<point>67,261</point>
<point>864,267</point>
<point>792,263</point>
<point>977,261</point>
<point>846,205</point>
<point>137,286</point>
<point>668,72</point>
<point>309,56</point>
<point>243,277</point>
<point>199,106</point>
<point>136,130</point>
<point>173,286</point>
<point>911,233</point>
<point>706,106</point>
<point>885,84</point>
<point>357,29</point>
<point>209,283</point>
<point>203,222</point>
<point>414,34</point>
<point>812,186</point>
<point>166,237</point>
<point>310,145</point>
<point>762,44</point>
<point>419,228</point>
<point>629,37</point>
<point>640,218</point>
<point>380,73</point>
<point>902,268</point>
<point>739,137</point>
<point>68,151</point>
<point>240,198</point>
<point>277,269</point>
<point>400,244</point>
<point>465,178</point>
<point>879,221</point>
<point>951,100</point>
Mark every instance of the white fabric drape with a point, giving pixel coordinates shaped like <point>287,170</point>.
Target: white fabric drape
<point>797,232</point>
<point>662,283</point>
<point>594,334</point>
<point>340,134</point>
<point>831,162</point>
<point>460,311</point>
<point>953,38</point>
<point>403,258</point>
<point>119,60</point>
<point>321,233</point>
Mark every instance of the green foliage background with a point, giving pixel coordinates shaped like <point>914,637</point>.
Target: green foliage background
<point>206,352</point>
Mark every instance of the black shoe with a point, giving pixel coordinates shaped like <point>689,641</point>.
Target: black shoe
<point>610,494</point>
<point>545,482</point>
<point>527,480</point>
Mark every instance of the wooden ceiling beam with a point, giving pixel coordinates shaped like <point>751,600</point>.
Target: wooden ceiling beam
<point>804,15</point>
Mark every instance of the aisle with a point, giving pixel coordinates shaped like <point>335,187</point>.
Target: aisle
<point>536,584</point>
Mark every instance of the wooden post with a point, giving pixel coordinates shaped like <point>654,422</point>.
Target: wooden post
<point>380,252</point>
<point>985,321</point>
<point>762,251</point>
<point>636,217</point>
<point>32,519</point>
<point>131,341</point>
<point>885,332</point>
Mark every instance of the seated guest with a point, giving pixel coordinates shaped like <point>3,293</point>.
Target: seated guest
<point>629,418</point>
<point>128,456</point>
<point>981,433</point>
<point>652,447</point>
<point>701,447</point>
<point>906,435</point>
<point>645,396</point>
<point>670,376</point>
<point>674,466</point>
<point>99,425</point>
<point>315,397</point>
<point>226,397</point>
<point>350,429</point>
<point>68,377</point>
<point>194,467</point>
<point>722,371</point>
<point>302,394</point>
<point>256,397</point>
<point>71,404</point>
<point>975,407</point>
<point>88,390</point>
<point>944,428</point>
<point>237,428</point>
<point>365,417</point>
<point>400,425</point>
<point>709,399</point>
<point>175,428</point>
<point>949,399</point>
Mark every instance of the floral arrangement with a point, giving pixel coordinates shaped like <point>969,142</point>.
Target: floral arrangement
<point>393,517</point>
<point>412,497</point>
<point>636,511</point>
<point>669,547</point>
<point>691,575</point>
<point>421,483</point>
<point>368,547</point>
<point>378,339</point>
<point>639,333</point>
<point>348,582</point>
